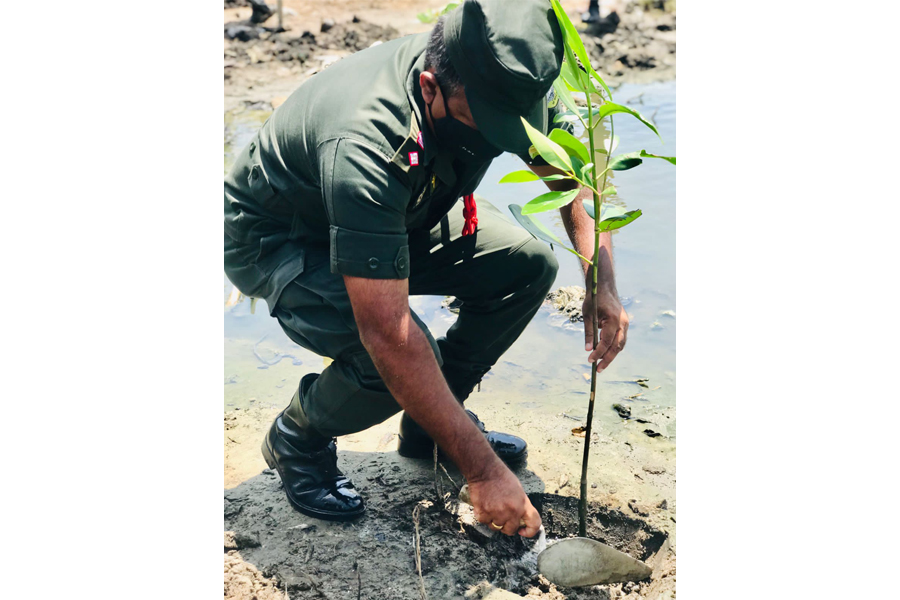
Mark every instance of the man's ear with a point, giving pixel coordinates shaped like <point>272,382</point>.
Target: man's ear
<point>428,83</point>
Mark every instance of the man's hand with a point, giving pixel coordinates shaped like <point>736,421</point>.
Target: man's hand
<point>498,499</point>
<point>613,323</point>
<point>407,364</point>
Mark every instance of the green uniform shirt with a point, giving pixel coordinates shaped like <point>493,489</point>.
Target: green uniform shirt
<point>348,163</point>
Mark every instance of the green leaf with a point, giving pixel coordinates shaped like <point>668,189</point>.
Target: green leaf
<point>573,40</point>
<point>533,226</point>
<point>570,73</point>
<point>575,75</point>
<point>562,91</point>
<point>577,165</point>
<point>610,108</point>
<point>538,230</point>
<point>555,177</point>
<point>549,150</point>
<point>549,201</point>
<point>609,191</point>
<point>606,210</point>
<point>623,162</point>
<point>450,6</point>
<point>620,221</point>
<point>602,84</point>
<point>519,177</point>
<point>586,172</point>
<point>571,144</point>
<point>645,154</point>
<point>567,117</point>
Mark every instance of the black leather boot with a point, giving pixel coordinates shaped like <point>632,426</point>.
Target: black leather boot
<point>307,463</point>
<point>416,443</point>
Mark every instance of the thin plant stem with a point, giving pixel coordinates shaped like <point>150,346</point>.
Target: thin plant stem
<point>582,502</point>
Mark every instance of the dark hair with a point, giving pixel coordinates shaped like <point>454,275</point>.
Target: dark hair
<point>436,58</point>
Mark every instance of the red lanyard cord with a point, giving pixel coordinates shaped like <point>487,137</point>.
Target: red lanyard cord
<point>470,212</point>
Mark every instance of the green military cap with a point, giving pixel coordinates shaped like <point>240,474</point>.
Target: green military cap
<point>507,54</point>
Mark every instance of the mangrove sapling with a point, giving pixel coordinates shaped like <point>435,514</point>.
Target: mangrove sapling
<point>577,162</point>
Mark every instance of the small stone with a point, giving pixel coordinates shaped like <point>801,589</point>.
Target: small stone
<point>594,486</point>
<point>638,509</point>
<point>651,433</point>
<point>624,411</point>
<point>241,33</point>
<point>663,505</point>
<point>326,25</point>
<point>246,540</point>
<point>654,470</point>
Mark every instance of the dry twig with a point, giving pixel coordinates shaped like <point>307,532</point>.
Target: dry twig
<point>419,551</point>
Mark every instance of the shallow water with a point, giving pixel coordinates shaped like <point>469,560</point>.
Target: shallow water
<point>545,371</point>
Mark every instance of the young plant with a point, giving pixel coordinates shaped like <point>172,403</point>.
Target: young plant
<point>577,162</point>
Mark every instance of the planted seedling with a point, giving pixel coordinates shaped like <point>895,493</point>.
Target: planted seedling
<point>578,162</point>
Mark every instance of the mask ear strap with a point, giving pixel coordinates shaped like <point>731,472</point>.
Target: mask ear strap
<point>443,99</point>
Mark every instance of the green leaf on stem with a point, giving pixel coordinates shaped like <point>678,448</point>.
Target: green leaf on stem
<point>563,93</point>
<point>549,150</point>
<point>617,222</point>
<point>606,209</point>
<point>610,108</point>
<point>549,201</point>
<point>623,162</point>
<point>555,177</point>
<point>533,226</point>
<point>571,144</point>
<point>586,172</point>
<point>538,230</point>
<point>645,154</point>
<point>573,41</point>
<point>566,117</point>
<point>519,177</point>
<point>577,165</point>
<point>609,191</point>
<point>576,77</point>
<point>570,75</point>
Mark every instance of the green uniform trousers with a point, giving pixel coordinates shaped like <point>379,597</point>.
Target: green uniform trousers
<point>501,274</point>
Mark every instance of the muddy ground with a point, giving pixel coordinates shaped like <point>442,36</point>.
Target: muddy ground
<point>271,551</point>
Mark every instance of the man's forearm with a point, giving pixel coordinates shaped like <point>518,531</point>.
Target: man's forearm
<point>580,229</point>
<point>408,366</point>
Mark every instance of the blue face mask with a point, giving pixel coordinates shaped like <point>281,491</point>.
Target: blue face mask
<point>464,142</point>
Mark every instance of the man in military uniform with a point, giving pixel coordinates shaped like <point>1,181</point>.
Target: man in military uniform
<point>347,202</point>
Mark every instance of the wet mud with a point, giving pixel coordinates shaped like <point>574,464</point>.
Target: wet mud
<point>277,548</point>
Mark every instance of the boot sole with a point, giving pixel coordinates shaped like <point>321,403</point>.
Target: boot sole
<point>326,515</point>
<point>418,451</point>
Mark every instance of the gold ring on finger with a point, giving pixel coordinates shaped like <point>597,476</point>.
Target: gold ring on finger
<point>495,526</point>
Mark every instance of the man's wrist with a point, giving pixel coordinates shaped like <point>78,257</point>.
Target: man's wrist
<point>485,469</point>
